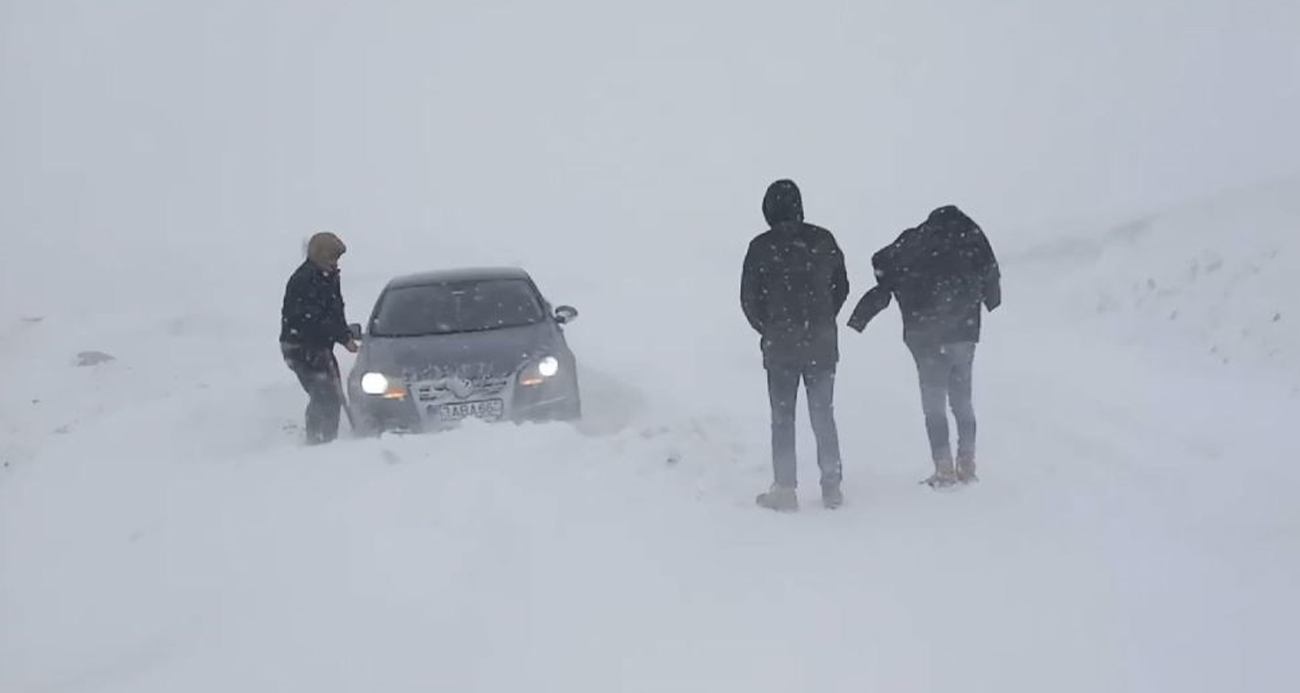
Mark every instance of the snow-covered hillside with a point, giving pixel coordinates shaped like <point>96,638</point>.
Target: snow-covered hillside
<point>1217,276</point>
<point>160,530</point>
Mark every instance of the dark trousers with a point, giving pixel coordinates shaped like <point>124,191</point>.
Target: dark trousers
<point>318,373</point>
<point>783,391</point>
<point>946,375</point>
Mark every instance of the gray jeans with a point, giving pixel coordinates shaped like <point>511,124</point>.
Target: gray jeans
<point>317,372</point>
<point>783,392</point>
<point>946,374</point>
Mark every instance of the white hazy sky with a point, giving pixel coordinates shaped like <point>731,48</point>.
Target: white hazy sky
<point>197,126</point>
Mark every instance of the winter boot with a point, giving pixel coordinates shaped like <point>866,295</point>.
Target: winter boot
<point>832,497</point>
<point>944,476</point>
<point>779,498</point>
<point>966,469</point>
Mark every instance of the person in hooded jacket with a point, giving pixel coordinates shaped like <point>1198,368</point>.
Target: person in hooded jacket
<point>793,285</point>
<point>311,323</point>
<point>942,273</point>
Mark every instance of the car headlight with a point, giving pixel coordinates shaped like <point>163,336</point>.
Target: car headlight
<point>380,385</point>
<point>374,383</point>
<point>541,371</point>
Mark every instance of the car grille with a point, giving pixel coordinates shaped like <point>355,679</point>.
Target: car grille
<point>444,388</point>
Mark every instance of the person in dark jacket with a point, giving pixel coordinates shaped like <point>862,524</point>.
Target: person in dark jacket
<point>792,288</point>
<point>311,323</point>
<point>942,273</point>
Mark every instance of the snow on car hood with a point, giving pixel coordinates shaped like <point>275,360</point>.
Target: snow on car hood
<point>467,354</point>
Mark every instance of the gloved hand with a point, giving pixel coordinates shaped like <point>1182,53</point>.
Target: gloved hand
<point>858,321</point>
<point>874,301</point>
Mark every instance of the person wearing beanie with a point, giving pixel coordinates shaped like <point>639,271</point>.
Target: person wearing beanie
<point>311,323</point>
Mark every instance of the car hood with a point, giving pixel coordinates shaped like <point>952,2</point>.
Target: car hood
<point>467,354</point>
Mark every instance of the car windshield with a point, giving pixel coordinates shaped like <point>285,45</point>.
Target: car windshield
<point>463,306</point>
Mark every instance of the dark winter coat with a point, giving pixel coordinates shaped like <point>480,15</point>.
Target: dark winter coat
<point>941,272</point>
<point>312,314</point>
<point>794,284</point>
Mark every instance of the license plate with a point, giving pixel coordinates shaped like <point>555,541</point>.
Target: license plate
<point>486,409</point>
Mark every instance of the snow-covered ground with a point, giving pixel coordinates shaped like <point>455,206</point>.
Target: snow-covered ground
<point>1136,528</point>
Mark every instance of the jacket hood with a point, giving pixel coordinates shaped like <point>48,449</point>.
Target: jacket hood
<point>783,203</point>
<point>324,250</point>
<point>948,214</point>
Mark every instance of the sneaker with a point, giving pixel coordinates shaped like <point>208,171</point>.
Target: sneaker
<point>779,498</point>
<point>944,476</point>
<point>832,497</point>
<point>941,479</point>
<point>966,469</point>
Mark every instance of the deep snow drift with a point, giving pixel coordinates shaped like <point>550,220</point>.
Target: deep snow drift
<point>160,530</point>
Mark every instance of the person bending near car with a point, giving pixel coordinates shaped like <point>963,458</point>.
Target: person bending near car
<point>942,272</point>
<point>311,323</point>
<point>793,285</point>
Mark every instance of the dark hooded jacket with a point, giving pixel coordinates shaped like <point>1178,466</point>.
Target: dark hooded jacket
<point>312,315</point>
<point>941,272</point>
<point>794,284</point>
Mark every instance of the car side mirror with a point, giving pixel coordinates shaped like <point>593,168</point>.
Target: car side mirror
<point>566,314</point>
<point>355,329</point>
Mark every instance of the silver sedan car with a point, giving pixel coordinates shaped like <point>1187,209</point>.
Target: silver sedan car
<point>441,347</point>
